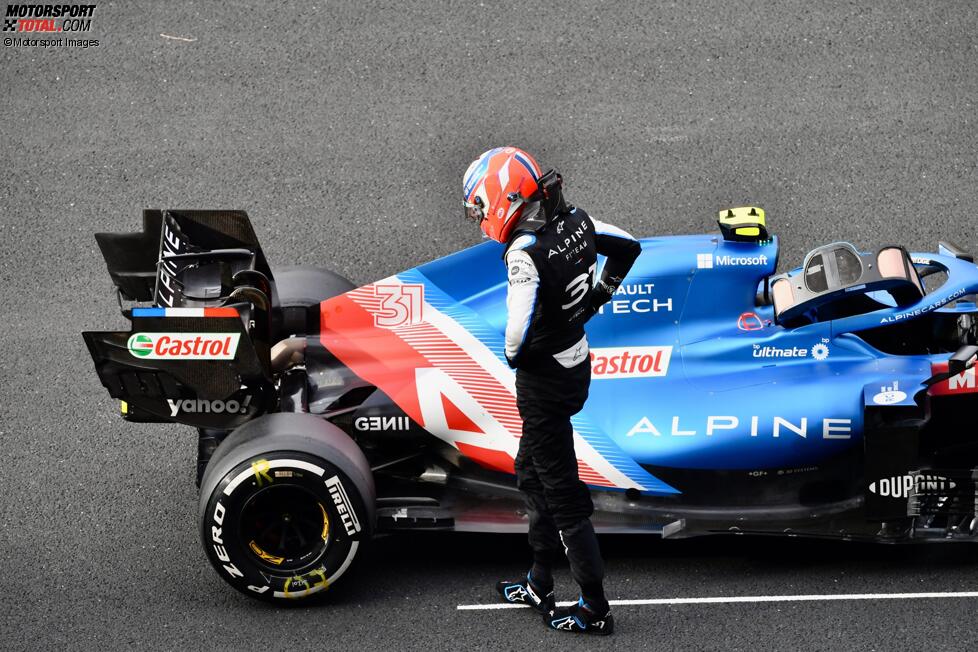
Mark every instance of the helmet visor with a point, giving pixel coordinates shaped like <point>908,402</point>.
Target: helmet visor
<point>474,211</point>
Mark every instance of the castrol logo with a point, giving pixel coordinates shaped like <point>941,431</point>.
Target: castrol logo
<point>630,362</point>
<point>184,346</point>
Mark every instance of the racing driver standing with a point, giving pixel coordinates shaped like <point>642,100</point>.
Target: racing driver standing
<point>551,258</point>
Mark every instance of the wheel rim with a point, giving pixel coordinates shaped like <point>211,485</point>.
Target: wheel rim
<point>285,528</point>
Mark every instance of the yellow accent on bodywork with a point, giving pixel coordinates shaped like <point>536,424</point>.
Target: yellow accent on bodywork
<point>123,407</point>
<point>748,230</point>
<point>746,215</point>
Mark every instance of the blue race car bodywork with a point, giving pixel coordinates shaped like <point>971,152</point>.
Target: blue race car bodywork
<point>730,389</point>
<point>837,399</point>
<point>718,416</point>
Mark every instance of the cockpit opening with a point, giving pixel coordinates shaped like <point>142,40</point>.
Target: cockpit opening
<point>838,281</point>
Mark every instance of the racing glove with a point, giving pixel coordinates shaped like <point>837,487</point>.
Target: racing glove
<point>601,294</point>
<point>621,250</point>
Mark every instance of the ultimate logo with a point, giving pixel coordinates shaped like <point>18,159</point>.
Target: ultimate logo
<point>48,18</point>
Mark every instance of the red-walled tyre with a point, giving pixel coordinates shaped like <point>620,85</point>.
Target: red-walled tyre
<point>286,506</point>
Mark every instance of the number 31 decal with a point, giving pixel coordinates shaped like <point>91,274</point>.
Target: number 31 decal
<point>579,287</point>
<point>400,305</point>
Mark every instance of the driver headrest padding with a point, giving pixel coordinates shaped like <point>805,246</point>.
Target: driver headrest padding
<point>783,297</point>
<point>894,262</point>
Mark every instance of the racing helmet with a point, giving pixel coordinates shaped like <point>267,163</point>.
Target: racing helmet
<point>497,187</point>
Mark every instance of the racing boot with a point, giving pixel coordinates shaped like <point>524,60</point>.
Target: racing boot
<point>581,619</point>
<point>526,591</point>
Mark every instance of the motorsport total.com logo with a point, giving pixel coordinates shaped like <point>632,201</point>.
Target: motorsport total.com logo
<point>48,18</point>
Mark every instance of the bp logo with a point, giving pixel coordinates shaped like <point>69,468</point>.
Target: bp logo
<point>140,345</point>
<point>820,351</point>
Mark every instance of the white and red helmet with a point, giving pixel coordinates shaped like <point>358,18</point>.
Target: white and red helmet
<point>496,187</point>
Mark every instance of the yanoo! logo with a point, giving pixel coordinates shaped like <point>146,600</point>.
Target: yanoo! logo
<point>630,362</point>
<point>203,406</point>
<point>184,346</point>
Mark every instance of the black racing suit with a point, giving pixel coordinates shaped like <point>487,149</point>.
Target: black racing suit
<point>552,293</point>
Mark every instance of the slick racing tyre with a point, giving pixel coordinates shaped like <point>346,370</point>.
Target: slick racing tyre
<point>286,505</point>
<point>301,287</point>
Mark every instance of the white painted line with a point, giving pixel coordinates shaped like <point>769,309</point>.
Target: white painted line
<point>749,599</point>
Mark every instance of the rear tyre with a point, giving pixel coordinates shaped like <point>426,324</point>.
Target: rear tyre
<point>301,287</point>
<point>286,505</point>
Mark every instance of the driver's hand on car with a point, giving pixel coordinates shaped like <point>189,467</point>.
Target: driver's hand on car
<point>601,294</point>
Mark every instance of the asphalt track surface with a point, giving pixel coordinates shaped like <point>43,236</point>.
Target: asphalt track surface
<point>343,128</point>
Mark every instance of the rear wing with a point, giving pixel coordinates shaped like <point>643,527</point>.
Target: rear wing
<point>198,350</point>
<point>197,366</point>
<point>183,257</point>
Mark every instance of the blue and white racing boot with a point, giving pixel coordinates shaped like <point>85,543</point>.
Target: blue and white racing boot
<point>526,592</point>
<point>580,619</point>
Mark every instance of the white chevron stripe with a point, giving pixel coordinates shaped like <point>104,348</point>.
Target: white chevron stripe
<point>461,369</point>
<point>505,376</point>
<point>503,175</point>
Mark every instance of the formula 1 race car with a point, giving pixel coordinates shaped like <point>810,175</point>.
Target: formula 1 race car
<point>835,400</point>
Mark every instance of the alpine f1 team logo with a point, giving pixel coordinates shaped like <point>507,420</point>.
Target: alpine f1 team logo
<point>48,18</point>
<point>630,362</point>
<point>183,346</point>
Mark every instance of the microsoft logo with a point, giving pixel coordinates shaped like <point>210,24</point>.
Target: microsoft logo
<point>709,261</point>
